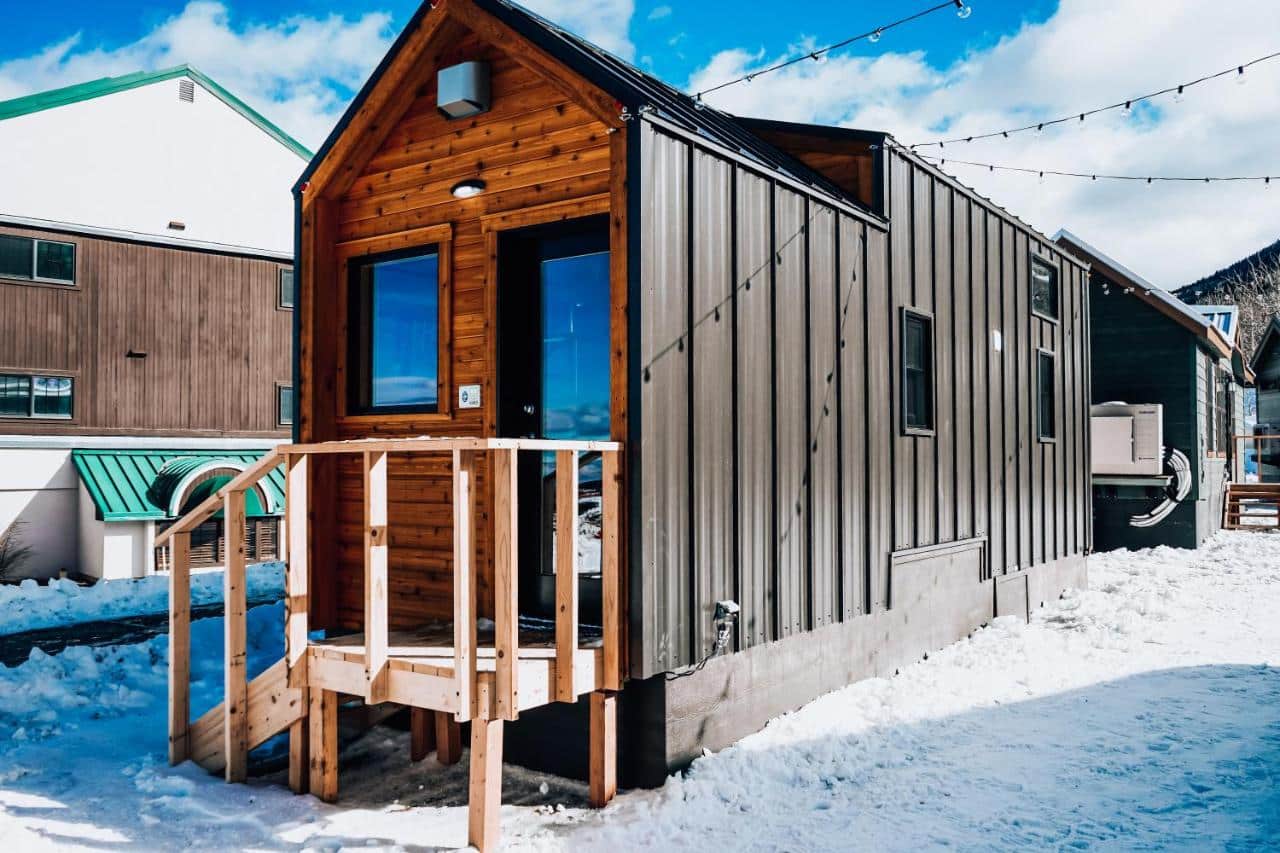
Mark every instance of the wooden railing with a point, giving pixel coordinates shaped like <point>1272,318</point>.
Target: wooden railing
<point>289,683</point>
<point>1264,447</point>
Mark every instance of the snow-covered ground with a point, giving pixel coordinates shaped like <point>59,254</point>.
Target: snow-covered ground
<point>29,606</point>
<point>1143,713</point>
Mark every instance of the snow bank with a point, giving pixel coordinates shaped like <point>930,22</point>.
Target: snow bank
<point>29,606</point>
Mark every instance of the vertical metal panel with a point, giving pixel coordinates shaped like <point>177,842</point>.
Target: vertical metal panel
<point>1009,393</point>
<point>880,438</point>
<point>999,408</point>
<point>1025,396</point>
<point>944,444</point>
<point>827,301</point>
<point>713,462</point>
<point>754,417</point>
<point>664,403</point>
<point>980,345</point>
<point>964,398</point>
<point>902,262</point>
<point>853,406</point>
<point>791,440</point>
<point>925,496</point>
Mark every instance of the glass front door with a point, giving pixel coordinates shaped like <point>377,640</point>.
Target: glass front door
<point>554,383</point>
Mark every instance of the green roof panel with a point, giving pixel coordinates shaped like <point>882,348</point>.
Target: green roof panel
<point>138,485</point>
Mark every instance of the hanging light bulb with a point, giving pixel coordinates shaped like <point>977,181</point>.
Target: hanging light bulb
<point>1178,96</point>
<point>875,37</point>
<point>1039,130</point>
<point>963,11</point>
<point>1042,177</point>
<point>1127,112</point>
<point>818,57</point>
<point>1240,78</point>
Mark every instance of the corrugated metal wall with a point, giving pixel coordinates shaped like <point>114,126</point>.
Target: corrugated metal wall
<point>773,469</point>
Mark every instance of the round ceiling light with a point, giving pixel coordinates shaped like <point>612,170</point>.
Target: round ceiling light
<point>469,188</point>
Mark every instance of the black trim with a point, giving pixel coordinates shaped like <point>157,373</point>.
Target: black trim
<point>907,313</point>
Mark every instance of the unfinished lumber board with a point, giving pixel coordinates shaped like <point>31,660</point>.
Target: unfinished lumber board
<point>297,594</point>
<point>484,801</point>
<point>322,720</point>
<point>603,771</point>
<point>566,549</point>
<point>506,526</point>
<point>610,575</point>
<point>235,682</point>
<point>422,733</point>
<point>448,738</point>
<point>464,581</point>
<point>179,648</point>
<point>376,621</point>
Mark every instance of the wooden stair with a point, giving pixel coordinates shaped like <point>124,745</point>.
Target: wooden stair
<point>1252,506</point>
<point>272,707</point>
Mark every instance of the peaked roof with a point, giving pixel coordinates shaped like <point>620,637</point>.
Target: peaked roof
<point>634,90</point>
<point>1269,339</point>
<point>1166,303</point>
<point>53,98</point>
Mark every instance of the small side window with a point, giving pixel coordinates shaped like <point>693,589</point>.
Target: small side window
<point>917,372</point>
<point>32,259</point>
<point>284,297</point>
<point>1044,288</point>
<point>1046,387</point>
<point>284,405</point>
<point>38,397</point>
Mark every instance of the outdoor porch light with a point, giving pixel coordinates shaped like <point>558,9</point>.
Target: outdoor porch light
<point>469,188</point>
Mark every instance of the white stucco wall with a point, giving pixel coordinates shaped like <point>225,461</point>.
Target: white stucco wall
<point>137,159</point>
<point>39,487</point>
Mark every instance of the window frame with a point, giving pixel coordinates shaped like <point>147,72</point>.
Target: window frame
<point>31,376</point>
<point>1041,436</point>
<point>907,315</point>
<point>1056,277</point>
<point>293,287</point>
<point>281,387</point>
<point>35,277</point>
<point>348,403</point>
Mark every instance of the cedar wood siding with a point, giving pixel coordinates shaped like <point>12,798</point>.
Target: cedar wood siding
<point>217,344</point>
<point>536,146</point>
<point>769,471</point>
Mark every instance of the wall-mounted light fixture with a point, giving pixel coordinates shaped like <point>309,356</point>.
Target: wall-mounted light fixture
<point>463,90</point>
<point>470,188</point>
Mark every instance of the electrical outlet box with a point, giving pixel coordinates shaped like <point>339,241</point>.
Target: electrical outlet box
<point>468,396</point>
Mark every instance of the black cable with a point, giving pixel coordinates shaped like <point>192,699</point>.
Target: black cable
<point>1096,176</point>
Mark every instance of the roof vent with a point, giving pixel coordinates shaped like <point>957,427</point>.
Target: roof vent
<point>187,90</point>
<point>463,90</point>
<point>175,225</point>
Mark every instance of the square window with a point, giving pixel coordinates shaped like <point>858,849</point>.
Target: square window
<point>284,405</point>
<point>917,372</point>
<point>56,261</point>
<point>16,257</point>
<point>1044,288</point>
<point>1047,419</point>
<point>395,333</point>
<point>15,396</point>
<point>285,294</point>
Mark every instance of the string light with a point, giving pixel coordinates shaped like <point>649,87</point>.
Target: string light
<point>1126,106</point>
<point>962,11</point>
<point>1094,176</point>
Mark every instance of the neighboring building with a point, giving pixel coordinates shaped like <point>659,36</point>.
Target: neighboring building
<point>851,396</point>
<point>1150,349</point>
<point>146,292</point>
<point>1266,365</point>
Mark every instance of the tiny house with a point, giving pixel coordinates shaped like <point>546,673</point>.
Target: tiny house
<point>1151,351</point>
<point>1265,363</point>
<point>619,412</point>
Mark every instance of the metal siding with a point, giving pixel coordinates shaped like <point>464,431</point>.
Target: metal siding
<point>997,408</point>
<point>754,416</point>
<point>1009,392</point>
<point>964,398</point>
<point>713,462</point>
<point>664,450</point>
<point>790,405</point>
<point>826,302</point>
<point>902,461</point>
<point>1025,395</point>
<point>980,348</point>
<point>880,438</point>
<point>853,398</point>
<point>944,444</point>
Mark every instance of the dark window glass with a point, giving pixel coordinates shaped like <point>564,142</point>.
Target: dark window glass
<point>575,347</point>
<point>56,261</point>
<point>917,372</point>
<point>396,343</point>
<point>51,396</point>
<point>284,405</point>
<point>15,396</point>
<point>1048,405</point>
<point>286,288</point>
<point>1044,288</point>
<point>15,256</point>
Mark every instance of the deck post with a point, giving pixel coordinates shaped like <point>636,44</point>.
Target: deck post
<point>610,568</point>
<point>179,648</point>
<point>322,724</point>
<point>235,705</point>
<point>484,801</point>
<point>297,608</point>
<point>464,582</point>
<point>375,576</point>
<point>506,526</point>
<point>422,734</point>
<point>448,738</point>
<point>603,773</point>
<point>566,573</point>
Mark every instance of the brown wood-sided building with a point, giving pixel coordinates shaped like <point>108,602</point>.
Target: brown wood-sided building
<point>852,395</point>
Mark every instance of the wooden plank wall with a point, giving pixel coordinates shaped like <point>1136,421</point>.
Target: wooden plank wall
<point>216,343</point>
<point>535,146</point>
<point>827,487</point>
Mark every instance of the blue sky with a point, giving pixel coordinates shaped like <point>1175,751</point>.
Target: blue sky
<point>299,61</point>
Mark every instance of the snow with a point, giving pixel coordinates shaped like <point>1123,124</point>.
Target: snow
<point>29,606</point>
<point>1142,713</point>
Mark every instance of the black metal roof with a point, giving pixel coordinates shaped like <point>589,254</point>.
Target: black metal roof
<point>634,89</point>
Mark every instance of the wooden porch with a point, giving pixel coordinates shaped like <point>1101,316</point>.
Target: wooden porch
<point>1254,506</point>
<point>460,671</point>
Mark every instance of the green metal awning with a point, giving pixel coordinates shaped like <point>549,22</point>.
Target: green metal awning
<point>136,485</point>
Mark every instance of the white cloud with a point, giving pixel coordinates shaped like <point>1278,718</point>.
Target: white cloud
<point>602,22</point>
<point>298,71</point>
<point>659,12</point>
<point>1091,52</point>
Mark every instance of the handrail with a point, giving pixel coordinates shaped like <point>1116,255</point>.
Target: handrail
<point>430,444</point>
<point>212,504</point>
